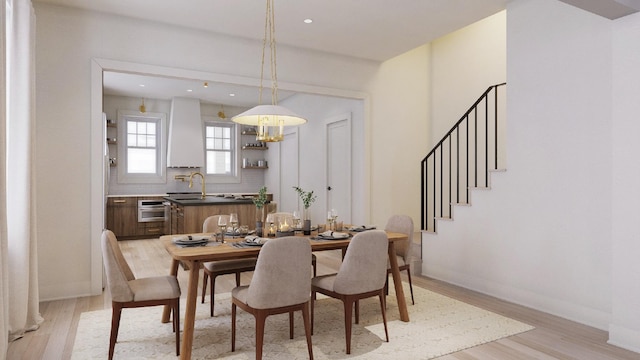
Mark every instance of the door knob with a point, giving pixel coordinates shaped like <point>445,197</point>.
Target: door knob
<point>329,188</point>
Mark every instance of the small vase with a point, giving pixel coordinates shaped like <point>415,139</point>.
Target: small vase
<point>306,227</point>
<point>259,228</point>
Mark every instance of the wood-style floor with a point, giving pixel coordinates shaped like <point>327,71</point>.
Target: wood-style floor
<point>553,337</point>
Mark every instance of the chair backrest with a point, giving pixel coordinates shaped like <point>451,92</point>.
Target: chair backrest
<point>283,274</point>
<point>402,224</point>
<point>116,268</point>
<point>364,267</point>
<point>210,224</point>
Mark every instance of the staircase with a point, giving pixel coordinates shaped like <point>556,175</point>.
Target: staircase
<point>464,157</point>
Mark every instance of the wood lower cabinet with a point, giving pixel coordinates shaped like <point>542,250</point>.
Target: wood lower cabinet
<point>122,216</point>
<point>189,219</point>
<point>122,219</point>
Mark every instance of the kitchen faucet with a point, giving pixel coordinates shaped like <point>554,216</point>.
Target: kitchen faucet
<point>204,193</point>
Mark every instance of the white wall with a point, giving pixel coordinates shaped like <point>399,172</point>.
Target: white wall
<point>67,40</point>
<point>398,130</point>
<point>625,321</point>
<point>541,235</point>
<point>463,65</point>
<point>317,109</point>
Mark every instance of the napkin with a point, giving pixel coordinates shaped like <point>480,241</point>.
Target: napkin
<point>255,239</point>
<point>188,238</point>
<point>362,227</point>
<point>334,235</point>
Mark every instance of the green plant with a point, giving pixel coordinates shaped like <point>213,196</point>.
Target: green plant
<point>307,197</point>
<point>261,199</point>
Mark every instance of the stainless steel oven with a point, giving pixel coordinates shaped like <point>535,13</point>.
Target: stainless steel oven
<point>151,210</point>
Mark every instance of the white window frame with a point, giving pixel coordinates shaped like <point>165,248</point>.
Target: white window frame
<point>160,176</point>
<point>235,176</point>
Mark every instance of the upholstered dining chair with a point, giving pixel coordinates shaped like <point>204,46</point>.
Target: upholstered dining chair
<point>129,292</point>
<point>280,216</point>
<point>361,275</point>
<point>281,284</point>
<point>402,224</point>
<point>223,267</point>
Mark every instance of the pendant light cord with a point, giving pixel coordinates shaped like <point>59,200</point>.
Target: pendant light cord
<point>270,36</point>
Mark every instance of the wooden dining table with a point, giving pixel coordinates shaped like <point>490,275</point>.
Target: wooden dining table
<point>192,258</point>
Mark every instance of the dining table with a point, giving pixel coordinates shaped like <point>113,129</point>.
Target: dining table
<point>192,258</point>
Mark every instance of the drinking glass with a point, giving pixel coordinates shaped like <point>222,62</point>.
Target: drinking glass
<point>271,229</point>
<point>222,226</point>
<point>297,224</point>
<point>330,220</point>
<point>233,220</point>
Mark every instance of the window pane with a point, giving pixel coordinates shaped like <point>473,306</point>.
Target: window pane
<point>141,161</point>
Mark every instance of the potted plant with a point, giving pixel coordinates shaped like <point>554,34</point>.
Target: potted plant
<point>259,201</point>
<point>307,198</point>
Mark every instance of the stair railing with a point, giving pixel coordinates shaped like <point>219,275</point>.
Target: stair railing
<point>463,157</point>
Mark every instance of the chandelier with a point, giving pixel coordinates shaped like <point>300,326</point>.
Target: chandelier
<point>269,120</point>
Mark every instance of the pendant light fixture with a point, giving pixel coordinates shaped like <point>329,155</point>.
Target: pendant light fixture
<point>142,108</point>
<point>269,120</point>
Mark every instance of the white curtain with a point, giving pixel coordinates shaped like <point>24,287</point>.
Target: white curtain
<point>4,258</point>
<point>20,296</point>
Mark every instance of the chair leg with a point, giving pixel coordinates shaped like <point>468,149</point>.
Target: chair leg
<point>313,300</point>
<point>290,324</point>
<point>213,290</point>
<point>315,268</point>
<point>238,279</point>
<point>176,324</point>
<point>384,313</point>
<point>115,325</point>
<point>348,308</point>
<point>233,327</point>
<point>357,311</point>
<point>410,285</point>
<point>260,320</point>
<point>307,328</point>
<point>205,278</point>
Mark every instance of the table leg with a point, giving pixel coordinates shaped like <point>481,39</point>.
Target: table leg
<point>167,309</point>
<point>190,311</point>
<point>397,283</point>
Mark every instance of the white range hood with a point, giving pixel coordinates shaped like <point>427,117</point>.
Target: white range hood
<point>185,140</point>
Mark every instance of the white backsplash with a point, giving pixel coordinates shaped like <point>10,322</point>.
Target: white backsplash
<point>252,180</point>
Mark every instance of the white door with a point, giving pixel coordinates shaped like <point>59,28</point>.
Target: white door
<point>338,155</point>
<point>289,160</point>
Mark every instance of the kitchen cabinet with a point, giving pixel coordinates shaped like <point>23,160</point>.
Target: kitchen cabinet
<point>186,219</point>
<point>122,219</point>
<point>122,216</point>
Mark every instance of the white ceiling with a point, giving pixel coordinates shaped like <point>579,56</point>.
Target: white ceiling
<point>370,29</point>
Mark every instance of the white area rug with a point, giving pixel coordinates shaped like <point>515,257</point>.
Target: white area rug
<point>439,325</point>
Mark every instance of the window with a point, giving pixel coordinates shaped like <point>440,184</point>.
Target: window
<point>220,148</point>
<point>140,147</point>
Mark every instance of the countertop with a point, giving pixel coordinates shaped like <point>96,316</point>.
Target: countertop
<point>191,200</point>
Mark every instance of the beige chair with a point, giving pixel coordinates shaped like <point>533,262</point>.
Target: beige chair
<point>281,216</point>
<point>402,224</point>
<point>129,292</point>
<point>281,284</point>
<point>361,275</point>
<point>223,267</point>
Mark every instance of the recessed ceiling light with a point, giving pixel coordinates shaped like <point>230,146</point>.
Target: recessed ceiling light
<point>141,85</point>
<point>189,90</point>
<point>232,94</point>
<point>308,21</point>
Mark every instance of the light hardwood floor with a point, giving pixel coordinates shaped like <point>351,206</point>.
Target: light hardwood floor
<point>553,337</point>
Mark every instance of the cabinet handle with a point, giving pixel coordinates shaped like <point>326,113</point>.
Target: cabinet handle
<point>119,201</point>
<point>153,230</point>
